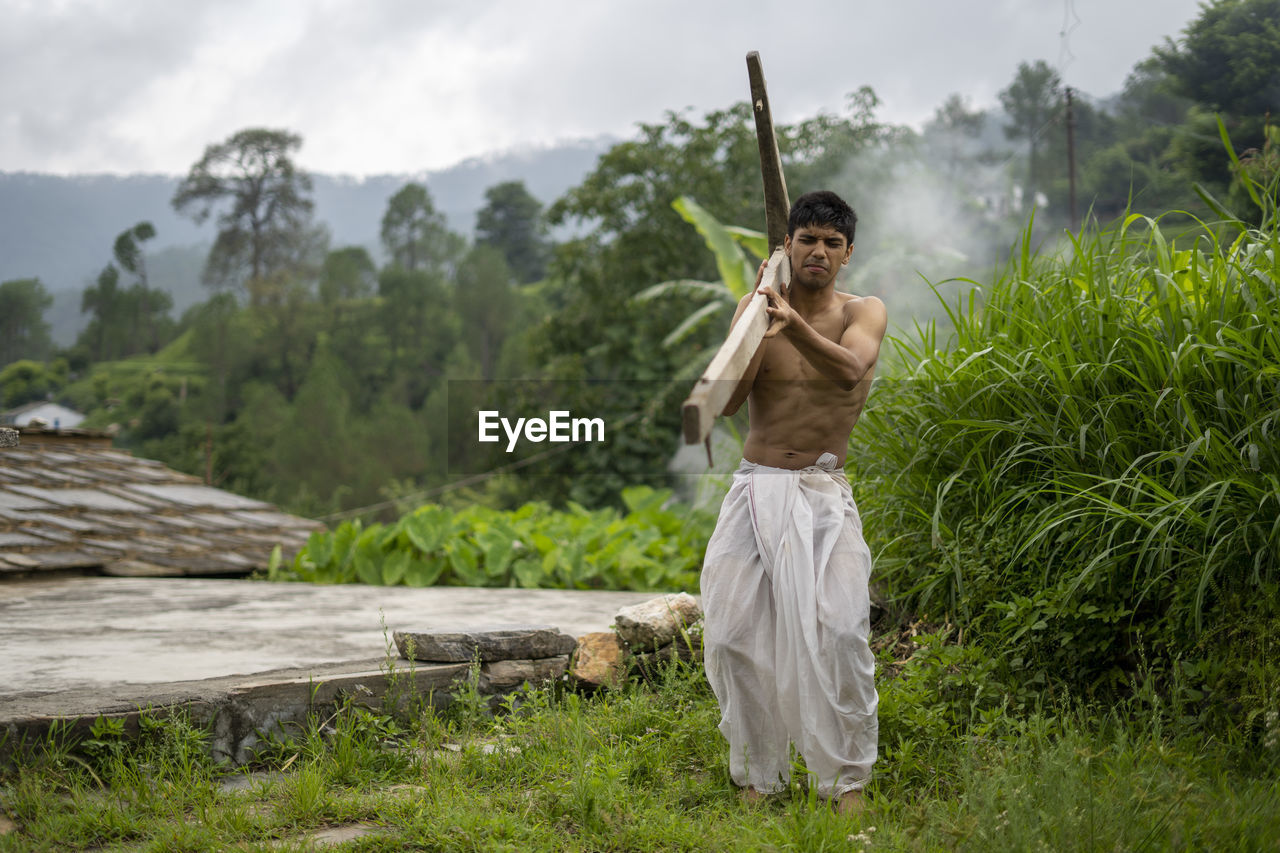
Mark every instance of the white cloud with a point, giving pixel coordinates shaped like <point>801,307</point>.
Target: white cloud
<point>144,85</point>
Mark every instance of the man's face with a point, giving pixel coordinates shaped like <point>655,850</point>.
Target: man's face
<point>817,253</point>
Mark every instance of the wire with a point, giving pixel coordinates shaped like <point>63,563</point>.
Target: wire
<point>1070,23</point>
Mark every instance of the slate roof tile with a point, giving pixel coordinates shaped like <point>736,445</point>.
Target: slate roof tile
<point>63,521</point>
<point>50,534</point>
<point>214,521</point>
<point>19,540</point>
<point>79,498</point>
<point>11,499</point>
<point>68,500</point>
<point>62,559</point>
<point>197,496</point>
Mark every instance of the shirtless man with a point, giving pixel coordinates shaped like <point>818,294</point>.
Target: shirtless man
<point>785,578</point>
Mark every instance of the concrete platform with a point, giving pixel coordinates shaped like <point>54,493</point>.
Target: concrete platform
<point>243,653</point>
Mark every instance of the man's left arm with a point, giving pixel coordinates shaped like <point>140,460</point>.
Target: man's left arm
<point>862,337</point>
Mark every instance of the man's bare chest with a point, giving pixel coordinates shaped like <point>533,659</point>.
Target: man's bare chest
<point>782,361</point>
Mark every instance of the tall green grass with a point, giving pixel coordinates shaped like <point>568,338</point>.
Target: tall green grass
<point>1087,476</point>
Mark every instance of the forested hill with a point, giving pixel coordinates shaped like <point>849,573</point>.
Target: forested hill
<point>60,229</point>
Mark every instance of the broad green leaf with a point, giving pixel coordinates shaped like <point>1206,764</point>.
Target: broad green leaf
<point>427,528</point>
<point>690,323</point>
<point>684,287</point>
<point>464,560</point>
<point>320,546</point>
<point>644,498</point>
<point>367,565</point>
<point>424,572</point>
<point>755,242</point>
<point>496,545</point>
<point>528,573</point>
<point>734,270</point>
<point>394,567</point>
<point>273,564</point>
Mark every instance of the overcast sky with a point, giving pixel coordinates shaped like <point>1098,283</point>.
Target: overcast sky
<point>378,86</point>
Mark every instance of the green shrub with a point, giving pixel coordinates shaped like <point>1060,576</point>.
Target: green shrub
<point>652,546</point>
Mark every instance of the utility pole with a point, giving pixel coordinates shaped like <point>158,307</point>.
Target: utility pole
<point>1071,162</point>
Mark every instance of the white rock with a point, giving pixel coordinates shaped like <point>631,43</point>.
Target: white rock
<point>656,622</point>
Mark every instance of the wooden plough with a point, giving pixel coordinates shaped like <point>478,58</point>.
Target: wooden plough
<point>716,386</point>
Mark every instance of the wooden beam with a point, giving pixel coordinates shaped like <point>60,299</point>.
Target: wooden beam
<point>777,206</point>
<point>721,377</point>
<point>718,382</point>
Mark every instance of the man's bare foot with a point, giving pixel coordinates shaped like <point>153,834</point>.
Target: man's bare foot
<point>851,803</point>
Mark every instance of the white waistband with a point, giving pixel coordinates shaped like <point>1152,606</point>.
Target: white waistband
<point>826,462</point>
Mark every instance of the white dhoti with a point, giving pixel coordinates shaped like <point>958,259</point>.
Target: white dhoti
<point>784,589</point>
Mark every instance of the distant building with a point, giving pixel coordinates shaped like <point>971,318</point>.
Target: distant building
<point>53,415</point>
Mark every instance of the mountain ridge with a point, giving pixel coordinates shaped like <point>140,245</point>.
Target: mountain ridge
<point>60,228</point>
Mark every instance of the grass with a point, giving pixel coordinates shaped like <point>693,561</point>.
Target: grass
<point>642,768</point>
<point>1089,472</point>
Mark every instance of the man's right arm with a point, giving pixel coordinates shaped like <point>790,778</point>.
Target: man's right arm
<point>743,389</point>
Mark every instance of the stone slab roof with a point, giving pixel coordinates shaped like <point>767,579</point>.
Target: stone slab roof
<point>69,500</point>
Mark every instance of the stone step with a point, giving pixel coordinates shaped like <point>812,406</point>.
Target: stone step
<point>486,643</point>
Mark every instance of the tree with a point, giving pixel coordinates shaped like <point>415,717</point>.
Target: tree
<point>315,450</point>
<point>1095,131</point>
<point>511,222</point>
<point>23,331</point>
<point>128,249</point>
<point>126,320</point>
<point>1226,61</point>
<point>25,380</point>
<point>1152,95</point>
<point>416,235</point>
<point>953,129</point>
<point>415,313</point>
<point>348,274</point>
<point>486,305</point>
<point>736,273</point>
<point>1227,58</point>
<point>348,281</point>
<point>285,316</point>
<point>150,307</point>
<point>222,339</point>
<point>105,301</point>
<point>265,224</point>
<point>1031,102</point>
<point>628,197</point>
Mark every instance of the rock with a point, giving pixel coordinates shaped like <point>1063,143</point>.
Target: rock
<point>501,675</point>
<point>490,643</point>
<point>690,650</point>
<point>657,622</point>
<point>8,437</point>
<point>650,664</point>
<point>599,659</point>
<point>335,835</point>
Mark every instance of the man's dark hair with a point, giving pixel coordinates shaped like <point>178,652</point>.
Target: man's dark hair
<point>822,208</point>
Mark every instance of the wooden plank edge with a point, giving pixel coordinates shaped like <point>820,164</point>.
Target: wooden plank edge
<point>717,383</point>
